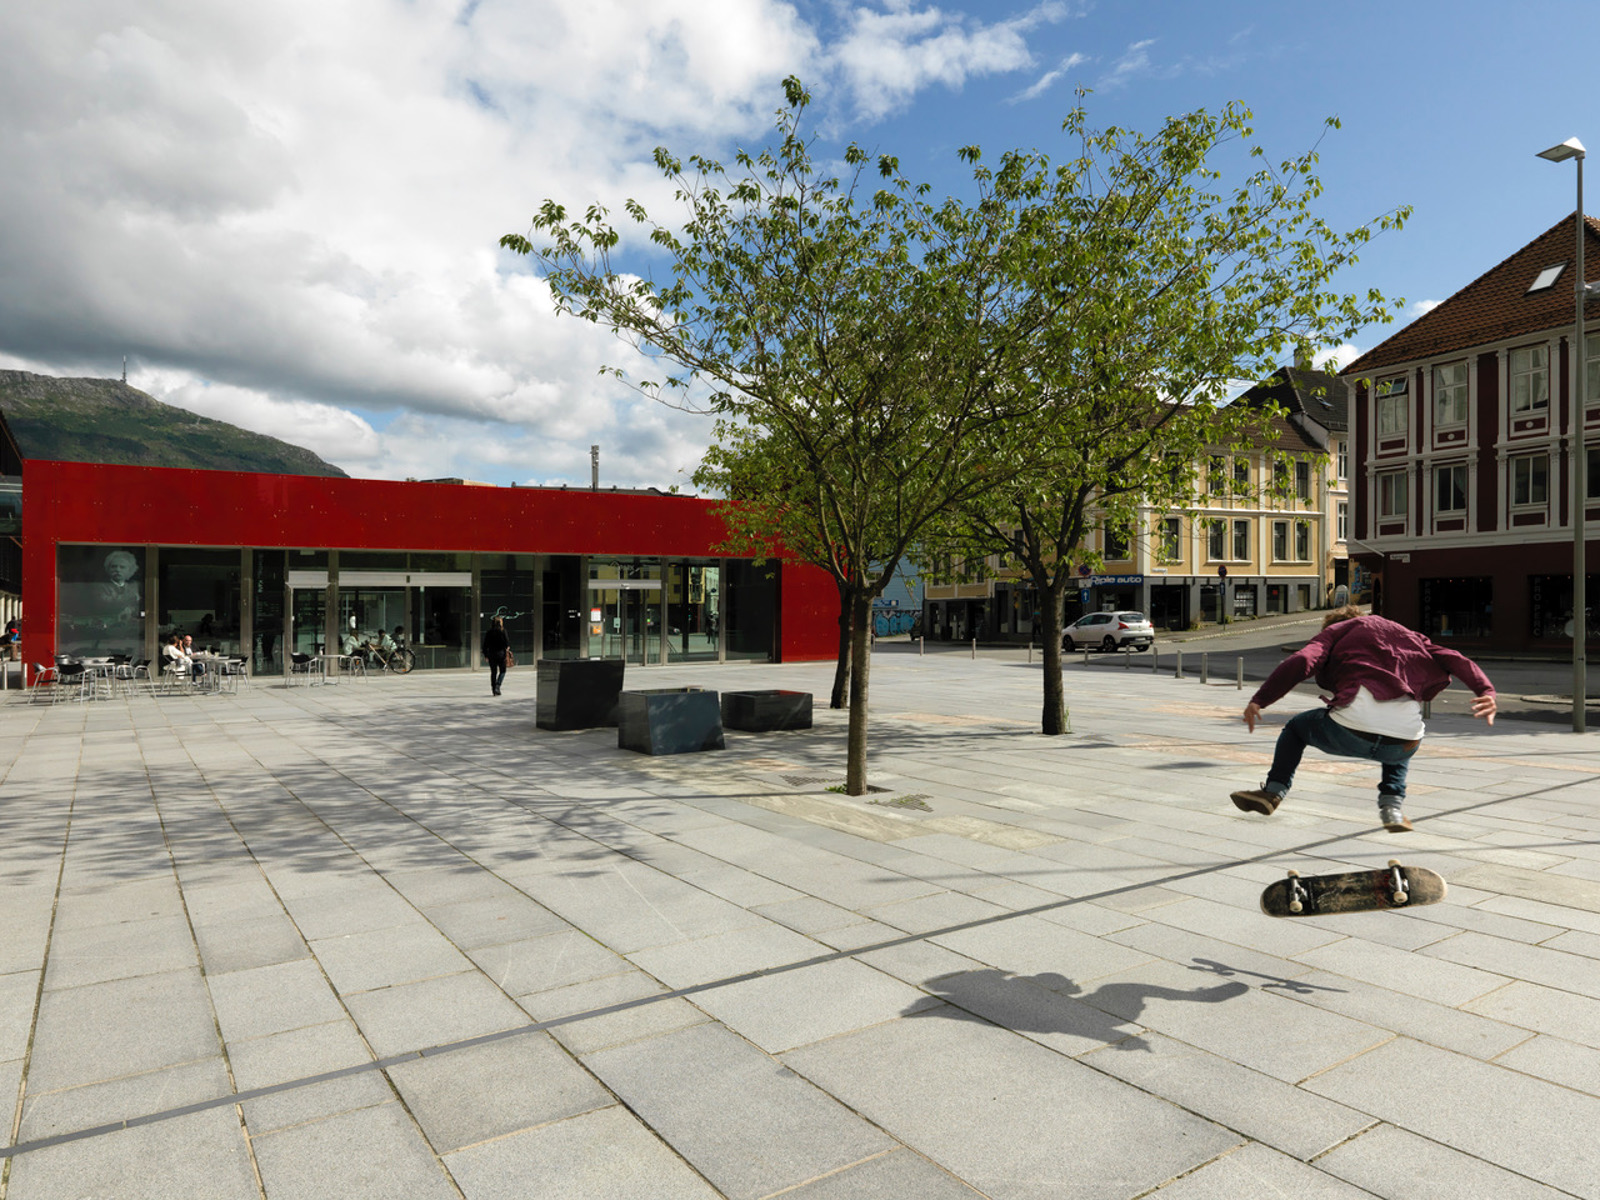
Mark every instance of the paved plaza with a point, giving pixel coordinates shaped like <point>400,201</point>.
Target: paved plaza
<point>387,939</point>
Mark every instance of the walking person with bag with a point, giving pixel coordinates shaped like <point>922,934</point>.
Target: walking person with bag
<point>497,653</point>
<point>1380,673</point>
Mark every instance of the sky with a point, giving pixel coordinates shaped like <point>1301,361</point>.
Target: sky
<point>287,215</point>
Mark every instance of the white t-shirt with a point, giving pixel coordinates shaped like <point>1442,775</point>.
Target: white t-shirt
<point>1400,718</point>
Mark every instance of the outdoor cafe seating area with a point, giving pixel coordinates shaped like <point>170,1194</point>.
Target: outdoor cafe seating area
<point>115,676</point>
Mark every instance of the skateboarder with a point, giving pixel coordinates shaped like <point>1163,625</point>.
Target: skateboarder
<point>1379,673</point>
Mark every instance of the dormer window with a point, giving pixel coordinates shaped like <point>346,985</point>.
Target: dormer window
<point>1546,278</point>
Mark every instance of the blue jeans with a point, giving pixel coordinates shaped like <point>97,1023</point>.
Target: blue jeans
<point>1318,728</point>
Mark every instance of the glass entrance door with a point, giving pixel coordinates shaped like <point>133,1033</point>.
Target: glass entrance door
<point>308,616</point>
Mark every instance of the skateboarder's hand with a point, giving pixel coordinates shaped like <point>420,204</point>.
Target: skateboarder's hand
<point>1252,714</point>
<point>1485,707</point>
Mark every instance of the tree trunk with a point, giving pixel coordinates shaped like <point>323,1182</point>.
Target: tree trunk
<point>860,666</point>
<point>841,669</point>
<point>1055,718</point>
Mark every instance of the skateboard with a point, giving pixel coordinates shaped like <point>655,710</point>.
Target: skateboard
<point>1393,886</point>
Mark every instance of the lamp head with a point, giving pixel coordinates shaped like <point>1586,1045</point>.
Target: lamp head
<point>1571,148</point>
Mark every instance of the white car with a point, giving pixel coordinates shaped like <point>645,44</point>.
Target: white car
<point>1110,631</point>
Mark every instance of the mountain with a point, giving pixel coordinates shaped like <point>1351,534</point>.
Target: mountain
<point>106,421</point>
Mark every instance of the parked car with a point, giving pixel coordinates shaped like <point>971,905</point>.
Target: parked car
<point>1110,631</point>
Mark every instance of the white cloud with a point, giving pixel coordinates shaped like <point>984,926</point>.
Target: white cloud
<point>1340,356</point>
<point>1135,61</point>
<point>888,55</point>
<point>1048,80</point>
<point>1421,308</point>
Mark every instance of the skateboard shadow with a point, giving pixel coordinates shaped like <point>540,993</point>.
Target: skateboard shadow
<point>1052,1005</point>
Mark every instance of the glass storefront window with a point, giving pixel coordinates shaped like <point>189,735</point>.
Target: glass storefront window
<point>200,596</point>
<point>564,602</point>
<point>629,627</point>
<point>1550,606</point>
<point>693,593</point>
<point>269,579</point>
<point>101,600</point>
<point>750,608</point>
<point>1458,608</point>
<point>507,592</point>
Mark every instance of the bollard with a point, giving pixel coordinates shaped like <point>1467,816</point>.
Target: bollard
<point>1177,671</point>
<point>1127,660</point>
<point>1086,656</point>
<point>1240,672</point>
<point>1427,707</point>
<point>1205,668</point>
<point>1155,660</point>
<point>921,647</point>
<point>1030,654</point>
<point>974,647</point>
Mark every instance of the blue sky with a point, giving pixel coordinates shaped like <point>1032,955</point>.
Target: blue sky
<point>286,215</point>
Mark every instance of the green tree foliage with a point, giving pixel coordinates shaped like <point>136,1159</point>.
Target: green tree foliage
<point>1173,290</point>
<point>852,343</point>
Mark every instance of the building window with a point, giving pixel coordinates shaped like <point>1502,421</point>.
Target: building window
<point>1591,378</point>
<point>1116,541</point>
<point>1392,494</point>
<point>1591,474</point>
<point>1171,534</point>
<point>1241,541</point>
<point>1302,541</point>
<point>1344,460</point>
<point>1216,540</point>
<point>1391,407</point>
<point>1530,378</point>
<point>1217,475</point>
<point>1344,520</point>
<point>1530,478</point>
<point>1241,476</point>
<point>1450,489</point>
<point>1450,394</point>
<point>1280,541</point>
<point>1302,480</point>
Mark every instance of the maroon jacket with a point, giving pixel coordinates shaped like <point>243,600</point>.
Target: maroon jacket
<point>1386,658</point>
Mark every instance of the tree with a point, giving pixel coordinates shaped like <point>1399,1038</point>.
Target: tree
<point>1175,290</point>
<point>852,346</point>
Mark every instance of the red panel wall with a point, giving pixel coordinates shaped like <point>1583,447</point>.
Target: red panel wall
<point>88,502</point>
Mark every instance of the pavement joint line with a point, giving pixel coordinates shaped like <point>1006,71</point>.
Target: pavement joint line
<point>20,1148</point>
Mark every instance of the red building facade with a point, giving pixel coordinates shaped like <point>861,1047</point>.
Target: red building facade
<point>116,558</point>
<point>1464,429</point>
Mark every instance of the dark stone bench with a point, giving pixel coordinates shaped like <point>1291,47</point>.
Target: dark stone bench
<point>669,721</point>
<point>762,712</point>
<point>578,693</point>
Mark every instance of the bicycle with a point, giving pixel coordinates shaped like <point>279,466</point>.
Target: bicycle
<point>397,659</point>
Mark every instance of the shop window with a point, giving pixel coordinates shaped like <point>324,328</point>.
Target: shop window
<point>1457,607</point>
<point>1450,489</point>
<point>200,597</point>
<point>1530,379</point>
<point>750,609</point>
<point>1530,479</point>
<point>101,600</point>
<point>1550,606</point>
<point>268,571</point>
<point>1450,394</point>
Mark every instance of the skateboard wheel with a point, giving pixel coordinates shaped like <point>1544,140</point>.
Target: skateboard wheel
<point>1295,906</point>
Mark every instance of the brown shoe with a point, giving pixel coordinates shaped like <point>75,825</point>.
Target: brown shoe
<point>1257,800</point>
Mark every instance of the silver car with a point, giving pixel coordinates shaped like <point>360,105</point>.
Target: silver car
<point>1110,631</point>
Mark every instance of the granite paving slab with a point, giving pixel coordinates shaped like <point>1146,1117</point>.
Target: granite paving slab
<point>375,1153</point>
<point>202,1154</point>
<point>1397,1165</point>
<point>1010,1118</point>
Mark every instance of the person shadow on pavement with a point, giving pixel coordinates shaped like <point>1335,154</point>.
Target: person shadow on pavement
<point>1050,1004</point>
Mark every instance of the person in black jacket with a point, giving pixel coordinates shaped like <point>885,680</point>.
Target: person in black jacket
<point>497,652</point>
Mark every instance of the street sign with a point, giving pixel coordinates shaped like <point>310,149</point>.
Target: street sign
<point>1222,571</point>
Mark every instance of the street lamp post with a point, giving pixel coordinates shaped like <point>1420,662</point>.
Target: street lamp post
<point>1573,148</point>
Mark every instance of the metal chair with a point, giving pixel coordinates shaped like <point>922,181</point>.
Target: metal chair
<point>45,685</point>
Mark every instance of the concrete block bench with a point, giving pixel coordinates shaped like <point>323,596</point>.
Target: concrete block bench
<point>762,712</point>
<point>578,693</point>
<point>669,721</point>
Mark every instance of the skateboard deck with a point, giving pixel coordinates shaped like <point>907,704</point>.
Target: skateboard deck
<point>1393,886</point>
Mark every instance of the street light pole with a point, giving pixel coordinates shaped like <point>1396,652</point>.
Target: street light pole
<point>1573,148</point>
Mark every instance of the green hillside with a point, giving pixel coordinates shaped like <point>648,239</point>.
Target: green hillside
<point>106,421</point>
